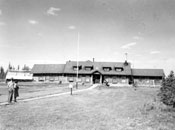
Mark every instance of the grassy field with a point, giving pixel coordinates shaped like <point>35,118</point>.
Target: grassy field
<point>30,89</point>
<point>96,109</point>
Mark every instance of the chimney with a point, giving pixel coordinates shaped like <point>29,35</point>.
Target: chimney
<point>126,62</point>
<point>93,59</point>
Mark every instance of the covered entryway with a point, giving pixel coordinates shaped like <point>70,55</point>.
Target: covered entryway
<point>97,77</point>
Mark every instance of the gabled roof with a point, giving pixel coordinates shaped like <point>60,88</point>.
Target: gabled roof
<point>148,72</point>
<point>97,66</point>
<point>48,68</point>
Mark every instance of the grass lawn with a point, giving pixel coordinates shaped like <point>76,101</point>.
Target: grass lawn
<point>96,109</point>
<point>31,89</point>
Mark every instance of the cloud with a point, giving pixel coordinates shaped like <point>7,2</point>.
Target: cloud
<point>39,34</point>
<point>116,53</point>
<point>129,45</point>
<point>154,52</point>
<point>33,22</point>
<point>52,11</point>
<point>2,23</point>
<point>137,38</point>
<point>72,27</point>
<point>0,12</point>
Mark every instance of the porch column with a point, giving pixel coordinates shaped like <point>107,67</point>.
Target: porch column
<point>100,78</point>
<point>91,79</point>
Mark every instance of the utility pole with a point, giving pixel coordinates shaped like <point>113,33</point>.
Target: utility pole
<point>77,59</point>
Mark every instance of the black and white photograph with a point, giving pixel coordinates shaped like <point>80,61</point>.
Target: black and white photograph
<point>87,64</point>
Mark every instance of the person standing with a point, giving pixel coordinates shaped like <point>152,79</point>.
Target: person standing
<point>10,90</point>
<point>71,87</point>
<point>16,92</point>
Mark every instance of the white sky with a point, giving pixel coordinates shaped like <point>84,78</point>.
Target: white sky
<point>46,31</point>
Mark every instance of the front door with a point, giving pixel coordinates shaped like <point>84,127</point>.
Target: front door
<point>96,78</point>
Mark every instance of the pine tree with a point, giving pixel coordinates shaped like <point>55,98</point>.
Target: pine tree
<point>26,68</point>
<point>18,67</point>
<point>2,73</point>
<point>9,67</point>
<point>167,91</point>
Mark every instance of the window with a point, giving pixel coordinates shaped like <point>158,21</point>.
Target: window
<point>88,68</point>
<point>75,68</point>
<point>107,68</point>
<point>52,78</point>
<point>41,78</point>
<point>56,78</point>
<point>119,69</point>
<point>70,79</point>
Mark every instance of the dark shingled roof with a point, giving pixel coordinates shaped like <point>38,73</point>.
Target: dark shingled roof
<point>48,68</point>
<point>97,66</point>
<point>148,72</point>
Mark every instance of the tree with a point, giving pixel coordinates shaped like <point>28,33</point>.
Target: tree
<point>9,67</point>
<point>167,91</point>
<point>18,67</point>
<point>2,73</point>
<point>26,68</point>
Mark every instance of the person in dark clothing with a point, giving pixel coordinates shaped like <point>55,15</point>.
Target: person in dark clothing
<point>16,90</point>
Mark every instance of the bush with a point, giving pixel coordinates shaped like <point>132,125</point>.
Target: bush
<point>167,91</point>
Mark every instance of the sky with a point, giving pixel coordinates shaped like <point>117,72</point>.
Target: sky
<point>46,32</point>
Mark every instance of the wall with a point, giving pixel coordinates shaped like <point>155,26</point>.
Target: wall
<point>19,75</point>
<point>147,81</point>
<point>86,79</point>
<point>116,79</point>
<point>64,79</point>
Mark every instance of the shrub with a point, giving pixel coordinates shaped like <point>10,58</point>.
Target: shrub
<point>167,91</point>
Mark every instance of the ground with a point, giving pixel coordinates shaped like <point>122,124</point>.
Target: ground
<point>32,89</point>
<point>103,108</point>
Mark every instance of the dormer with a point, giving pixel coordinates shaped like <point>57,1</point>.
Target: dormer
<point>88,68</point>
<point>75,67</point>
<point>119,69</point>
<point>106,69</point>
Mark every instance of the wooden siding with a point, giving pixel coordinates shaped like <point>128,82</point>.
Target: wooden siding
<point>117,79</point>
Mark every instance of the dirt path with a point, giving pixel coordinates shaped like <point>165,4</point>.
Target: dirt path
<point>52,95</point>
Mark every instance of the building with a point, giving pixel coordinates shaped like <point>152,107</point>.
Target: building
<point>89,72</point>
<point>20,75</point>
<point>48,72</point>
<point>98,72</point>
<point>148,77</point>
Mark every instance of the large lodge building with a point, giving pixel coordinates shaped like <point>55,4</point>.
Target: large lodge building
<point>90,72</point>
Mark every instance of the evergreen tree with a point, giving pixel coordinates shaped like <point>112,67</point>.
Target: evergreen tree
<point>2,73</point>
<point>9,67</point>
<point>167,91</point>
<point>18,67</point>
<point>26,68</point>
